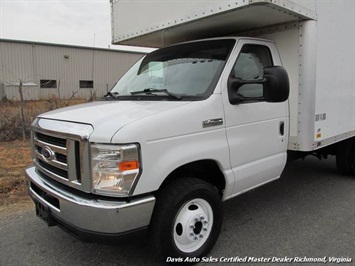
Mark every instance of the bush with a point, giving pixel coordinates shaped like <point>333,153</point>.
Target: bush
<point>11,127</point>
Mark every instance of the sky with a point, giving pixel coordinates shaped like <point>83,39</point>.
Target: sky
<point>73,22</point>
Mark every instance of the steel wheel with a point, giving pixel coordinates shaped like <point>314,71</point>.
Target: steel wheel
<point>193,225</point>
<point>187,219</point>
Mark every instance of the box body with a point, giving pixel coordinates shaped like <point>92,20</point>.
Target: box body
<point>316,42</point>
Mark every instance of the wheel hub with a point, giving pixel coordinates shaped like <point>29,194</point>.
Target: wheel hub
<point>198,228</point>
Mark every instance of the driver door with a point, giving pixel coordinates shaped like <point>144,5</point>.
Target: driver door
<point>256,130</point>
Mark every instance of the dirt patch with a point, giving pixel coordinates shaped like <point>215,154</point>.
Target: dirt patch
<point>14,157</point>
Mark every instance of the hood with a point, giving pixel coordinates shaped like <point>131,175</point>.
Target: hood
<point>107,117</point>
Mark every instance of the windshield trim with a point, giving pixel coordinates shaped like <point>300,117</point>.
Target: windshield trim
<point>154,97</point>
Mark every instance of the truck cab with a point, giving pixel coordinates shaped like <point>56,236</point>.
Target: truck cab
<point>188,126</point>
<point>198,122</point>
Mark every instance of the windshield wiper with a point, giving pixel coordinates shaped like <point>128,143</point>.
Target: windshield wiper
<point>151,90</point>
<point>111,95</point>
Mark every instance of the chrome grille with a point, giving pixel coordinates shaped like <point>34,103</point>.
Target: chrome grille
<point>52,140</point>
<point>55,170</point>
<point>60,156</point>
<point>51,155</point>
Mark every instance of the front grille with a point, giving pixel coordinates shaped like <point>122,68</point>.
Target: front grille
<point>61,152</point>
<point>51,140</point>
<point>58,157</point>
<point>61,158</point>
<point>60,172</point>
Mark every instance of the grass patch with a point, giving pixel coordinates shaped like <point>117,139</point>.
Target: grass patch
<point>14,157</point>
<point>15,154</point>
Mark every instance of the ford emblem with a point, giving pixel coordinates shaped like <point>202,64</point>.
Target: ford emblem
<point>47,153</point>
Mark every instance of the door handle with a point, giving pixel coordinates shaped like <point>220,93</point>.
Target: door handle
<point>282,128</point>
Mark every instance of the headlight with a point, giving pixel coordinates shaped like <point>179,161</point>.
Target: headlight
<point>114,168</point>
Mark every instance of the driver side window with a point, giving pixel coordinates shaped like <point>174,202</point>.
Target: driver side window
<point>249,66</point>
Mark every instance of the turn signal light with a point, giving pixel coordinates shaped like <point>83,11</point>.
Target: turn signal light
<point>128,165</point>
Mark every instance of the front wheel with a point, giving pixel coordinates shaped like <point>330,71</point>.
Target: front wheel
<point>187,219</point>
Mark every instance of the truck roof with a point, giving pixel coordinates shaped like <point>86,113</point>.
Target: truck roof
<point>169,22</point>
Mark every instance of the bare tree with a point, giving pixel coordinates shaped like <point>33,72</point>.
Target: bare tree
<point>22,108</point>
<point>59,97</point>
<point>71,97</point>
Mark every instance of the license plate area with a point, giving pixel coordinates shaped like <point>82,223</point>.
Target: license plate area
<point>44,212</point>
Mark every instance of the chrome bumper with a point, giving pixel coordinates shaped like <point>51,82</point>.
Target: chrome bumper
<point>91,215</point>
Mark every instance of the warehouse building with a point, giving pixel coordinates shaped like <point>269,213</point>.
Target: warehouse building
<point>47,70</point>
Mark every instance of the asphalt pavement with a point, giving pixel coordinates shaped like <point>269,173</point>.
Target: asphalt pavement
<point>307,217</point>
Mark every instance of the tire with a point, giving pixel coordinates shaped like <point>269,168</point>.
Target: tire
<point>187,219</point>
<point>345,157</point>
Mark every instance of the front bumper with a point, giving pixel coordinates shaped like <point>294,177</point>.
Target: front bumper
<point>104,217</point>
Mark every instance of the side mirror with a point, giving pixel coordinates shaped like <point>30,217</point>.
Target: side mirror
<point>275,84</point>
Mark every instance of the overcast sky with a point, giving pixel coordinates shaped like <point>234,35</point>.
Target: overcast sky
<point>73,22</point>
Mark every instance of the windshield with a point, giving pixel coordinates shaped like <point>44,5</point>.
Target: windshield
<point>186,71</point>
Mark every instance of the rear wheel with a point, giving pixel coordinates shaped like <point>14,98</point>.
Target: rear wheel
<point>187,219</point>
<point>345,157</point>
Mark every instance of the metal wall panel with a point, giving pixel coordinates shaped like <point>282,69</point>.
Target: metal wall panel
<point>31,62</point>
<point>17,64</point>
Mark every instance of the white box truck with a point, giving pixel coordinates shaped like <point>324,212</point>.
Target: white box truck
<point>194,124</point>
